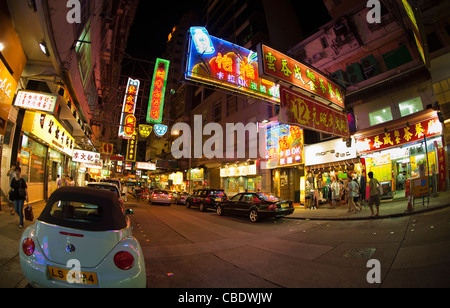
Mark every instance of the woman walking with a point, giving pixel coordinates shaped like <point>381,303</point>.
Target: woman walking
<point>20,194</point>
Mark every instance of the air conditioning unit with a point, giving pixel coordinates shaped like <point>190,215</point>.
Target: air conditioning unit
<point>355,73</point>
<point>340,77</point>
<point>370,66</point>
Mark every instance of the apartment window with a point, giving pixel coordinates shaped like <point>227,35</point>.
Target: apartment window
<point>231,105</point>
<point>411,106</point>
<point>218,112</point>
<point>380,116</point>
<point>324,42</point>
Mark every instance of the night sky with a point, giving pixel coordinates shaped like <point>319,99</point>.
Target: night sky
<point>154,22</point>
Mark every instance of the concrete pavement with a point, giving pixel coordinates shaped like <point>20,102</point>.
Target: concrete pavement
<point>388,209</point>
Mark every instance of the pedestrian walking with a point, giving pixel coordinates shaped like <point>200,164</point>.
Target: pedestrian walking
<point>125,192</point>
<point>374,194</point>
<point>19,194</point>
<point>352,194</point>
<point>11,175</point>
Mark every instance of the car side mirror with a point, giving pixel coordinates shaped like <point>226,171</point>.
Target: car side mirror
<point>129,212</point>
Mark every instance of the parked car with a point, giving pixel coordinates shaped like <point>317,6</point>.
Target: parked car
<point>206,198</point>
<point>114,181</point>
<point>160,196</point>
<point>256,206</point>
<point>106,186</point>
<point>179,197</point>
<point>83,238</point>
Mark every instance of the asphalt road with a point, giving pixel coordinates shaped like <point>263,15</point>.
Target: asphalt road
<point>185,248</point>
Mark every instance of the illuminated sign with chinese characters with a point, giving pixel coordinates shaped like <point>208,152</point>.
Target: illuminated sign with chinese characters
<point>397,137</point>
<point>132,149</point>
<point>223,64</point>
<point>285,146</point>
<point>280,67</point>
<point>158,91</point>
<point>36,101</point>
<point>128,121</point>
<point>298,109</point>
<point>48,129</point>
<point>86,157</point>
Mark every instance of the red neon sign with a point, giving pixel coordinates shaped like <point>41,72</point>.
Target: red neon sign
<point>156,104</point>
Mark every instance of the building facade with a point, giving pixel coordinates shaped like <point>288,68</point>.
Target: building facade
<point>72,63</point>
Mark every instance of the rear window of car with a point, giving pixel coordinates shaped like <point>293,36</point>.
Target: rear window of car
<point>269,197</point>
<point>106,187</point>
<point>77,211</point>
<point>160,192</point>
<point>218,193</point>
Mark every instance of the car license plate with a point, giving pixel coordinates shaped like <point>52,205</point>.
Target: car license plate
<point>283,205</point>
<point>61,274</point>
<point>218,199</point>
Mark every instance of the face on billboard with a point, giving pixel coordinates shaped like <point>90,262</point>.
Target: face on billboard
<point>221,63</point>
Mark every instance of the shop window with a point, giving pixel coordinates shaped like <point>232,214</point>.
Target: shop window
<point>8,133</point>
<point>411,106</point>
<point>380,116</point>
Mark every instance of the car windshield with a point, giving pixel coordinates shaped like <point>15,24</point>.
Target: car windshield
<point>77,211</point>
<point>269,197</point>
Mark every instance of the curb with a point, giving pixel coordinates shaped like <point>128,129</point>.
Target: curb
<point>355,218</point>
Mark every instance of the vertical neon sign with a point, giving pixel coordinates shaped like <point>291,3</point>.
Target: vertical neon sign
<point>157,92</point>
<point>128,121</point>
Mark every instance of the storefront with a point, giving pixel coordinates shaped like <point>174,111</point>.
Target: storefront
<point>196,179</point>
<point>333,159</point>
<point>45,152</point>
<point>237,178</point>
<point>404,152</point>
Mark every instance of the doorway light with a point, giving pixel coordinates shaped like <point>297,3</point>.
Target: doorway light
<point>44,48</point>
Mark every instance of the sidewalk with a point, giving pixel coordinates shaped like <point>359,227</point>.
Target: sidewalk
<point>388,209</point>
<point>10,271</point>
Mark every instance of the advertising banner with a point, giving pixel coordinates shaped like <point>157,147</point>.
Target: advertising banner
<point>279,67</point>
<point>226,65</point>
<point>400,136</point>
<point>285,146</point>
<point>298,109</point>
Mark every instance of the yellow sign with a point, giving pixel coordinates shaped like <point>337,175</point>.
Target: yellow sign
<point>47,128</point>
<point>8,87</point>
<point>145,130</point>
<point>420,186</point>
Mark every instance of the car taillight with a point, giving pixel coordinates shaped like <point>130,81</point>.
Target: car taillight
<point>208,199</point>
<point>124,260</point>
<point>170,197</point>
<point>28,246</point>
<point>154,195</point>
<point>272,207</point>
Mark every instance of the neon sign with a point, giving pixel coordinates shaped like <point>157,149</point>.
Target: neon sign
<point>157,92</point>
<point>223,64</point>
<point>277,66</point>
<point>128,121</point>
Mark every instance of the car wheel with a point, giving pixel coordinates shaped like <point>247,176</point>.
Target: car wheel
<point>219,211</point>
<point>201,207</point>
<point>253,215</point>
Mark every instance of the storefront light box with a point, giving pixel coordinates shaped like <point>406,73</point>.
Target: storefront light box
<point>223,64</point>
<point>285,146</point>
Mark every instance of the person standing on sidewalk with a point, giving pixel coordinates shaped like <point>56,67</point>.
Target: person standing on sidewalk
<point>19,187</point>
<point>374,194</point>
<point>11,175</point>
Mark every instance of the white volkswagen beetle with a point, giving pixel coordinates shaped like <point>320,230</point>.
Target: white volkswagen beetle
<point>82,238</point>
